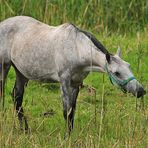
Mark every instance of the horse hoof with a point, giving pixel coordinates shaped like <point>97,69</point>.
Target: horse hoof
<point>26,131</point>
<point>66,136</point>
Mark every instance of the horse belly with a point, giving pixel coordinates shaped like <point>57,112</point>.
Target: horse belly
<point>37,72</point>
<point>35,62</point>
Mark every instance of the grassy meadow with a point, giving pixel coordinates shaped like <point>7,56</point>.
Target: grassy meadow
<point>105,117</point>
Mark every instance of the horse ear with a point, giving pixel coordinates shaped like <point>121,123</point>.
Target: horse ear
<point>108,57</point>
<point>118,51</point>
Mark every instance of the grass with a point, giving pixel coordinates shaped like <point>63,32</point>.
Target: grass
<point>105,117</point>
<point>96,15</point>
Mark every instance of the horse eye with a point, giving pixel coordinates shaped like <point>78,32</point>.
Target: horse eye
<point>117,74</point>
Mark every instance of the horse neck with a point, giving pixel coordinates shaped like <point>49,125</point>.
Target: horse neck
<point>92,58</point>
<point>96,60</point>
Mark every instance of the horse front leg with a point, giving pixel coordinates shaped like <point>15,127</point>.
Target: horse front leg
<point>70,94</point>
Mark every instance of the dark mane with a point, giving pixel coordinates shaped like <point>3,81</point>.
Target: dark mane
<point>96,42</point>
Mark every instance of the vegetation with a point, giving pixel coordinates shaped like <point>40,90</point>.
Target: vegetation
<point>96,15</point>
<point>105,117</point>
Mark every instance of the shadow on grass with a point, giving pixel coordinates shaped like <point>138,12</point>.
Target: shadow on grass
<point>51,86</point>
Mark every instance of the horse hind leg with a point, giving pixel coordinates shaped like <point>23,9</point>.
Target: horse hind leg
<point>4,69</point>
<point>17,94</point>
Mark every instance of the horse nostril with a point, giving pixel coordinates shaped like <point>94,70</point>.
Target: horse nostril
<point>141,92</point>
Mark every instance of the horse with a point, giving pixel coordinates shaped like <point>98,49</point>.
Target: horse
<point>62,54</point>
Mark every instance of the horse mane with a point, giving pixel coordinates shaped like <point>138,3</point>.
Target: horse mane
<point>96,42</point>
<point>99,46</point>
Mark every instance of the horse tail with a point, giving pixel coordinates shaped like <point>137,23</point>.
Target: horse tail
<point>4,69</point>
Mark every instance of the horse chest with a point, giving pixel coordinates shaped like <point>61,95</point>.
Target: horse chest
<point>79,76</point>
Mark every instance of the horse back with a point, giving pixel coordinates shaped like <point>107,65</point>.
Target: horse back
<point>39,51</point>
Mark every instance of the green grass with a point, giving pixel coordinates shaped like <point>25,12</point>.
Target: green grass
<point>107,119</point>
<point>104,117</point>
<point>95,15</point>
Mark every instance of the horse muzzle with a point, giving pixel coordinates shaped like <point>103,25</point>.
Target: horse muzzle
<point>135,88</point>
<point>140,92</point>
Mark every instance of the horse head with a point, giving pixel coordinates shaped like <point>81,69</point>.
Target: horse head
<point>121,75</point>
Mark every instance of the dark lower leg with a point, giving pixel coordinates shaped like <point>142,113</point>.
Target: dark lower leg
<point>69,118</point>
<point>17,95</point>
<point>17,98</point>
<point>69,109</point>
<point>21,117</point>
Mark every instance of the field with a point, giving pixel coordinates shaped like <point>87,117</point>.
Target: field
<point>105,117</point>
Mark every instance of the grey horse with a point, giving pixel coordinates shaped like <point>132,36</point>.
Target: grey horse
<point>63,54</point>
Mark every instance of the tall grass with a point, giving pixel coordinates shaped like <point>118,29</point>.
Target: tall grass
<point>96,15</point>
<point>105,117</point>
